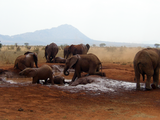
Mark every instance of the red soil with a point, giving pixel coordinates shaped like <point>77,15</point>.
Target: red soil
<point>40,102</point>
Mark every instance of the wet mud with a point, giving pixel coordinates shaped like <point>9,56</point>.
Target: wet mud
<point>112,97</point>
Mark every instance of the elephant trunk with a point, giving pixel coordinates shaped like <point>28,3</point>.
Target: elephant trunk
<point>65,72</point>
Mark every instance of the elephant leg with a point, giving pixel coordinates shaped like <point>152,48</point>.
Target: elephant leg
<point>35,80</point>
<point>156,77</point>
<point>137,77</point>
<point>52,80</point>
<point>74,76</point>
<point>46,81</point>
<point>148,87</point>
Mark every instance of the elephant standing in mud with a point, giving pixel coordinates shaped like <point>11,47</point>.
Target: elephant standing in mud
<point>26,60</point>
<point>147,61</point>
<point>51,51</point>
<point>83,63</point>
<point>77,49</point>
<point>42,73</point>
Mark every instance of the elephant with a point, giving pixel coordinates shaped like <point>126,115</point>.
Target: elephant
<point>26,60</point>
<point>58,80</point>
<point>88,63</point>
<point>42,73</point>
<point>50,52</point>
<point>78,49</point>
<point>147,62</point>
<point>59,60</point>
<point>66,54</point>
<point>82,80</point>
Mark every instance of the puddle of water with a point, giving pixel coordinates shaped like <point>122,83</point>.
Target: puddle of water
<point>18,80</point>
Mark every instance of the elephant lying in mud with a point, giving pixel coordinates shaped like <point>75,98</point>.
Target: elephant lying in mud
<point>147,61</point>
<point>83,80</point>
<point>59,60</point>
<point>42,73</point>
<point>58,80</point>
<point>83,63</point>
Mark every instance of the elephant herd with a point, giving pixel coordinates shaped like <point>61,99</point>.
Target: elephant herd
<point>146,62</point>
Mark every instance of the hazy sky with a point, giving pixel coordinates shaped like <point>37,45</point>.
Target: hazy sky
<point>134,21</point>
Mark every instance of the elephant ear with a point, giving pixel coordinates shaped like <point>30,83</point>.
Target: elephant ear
<point>88,46</point>
<point>35,59</point>
<point>73,60</point>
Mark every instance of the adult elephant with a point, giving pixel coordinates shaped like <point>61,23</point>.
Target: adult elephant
<point>42,73</point>
<point>51,51</point>
<point>78,49</point>
<point>26,60</point>
<point>147,62</point>
<point>83,63</point>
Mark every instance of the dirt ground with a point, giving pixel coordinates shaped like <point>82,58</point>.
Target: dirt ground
<point>40,102</point>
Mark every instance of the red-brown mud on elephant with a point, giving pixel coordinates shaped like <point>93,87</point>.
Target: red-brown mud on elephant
<point>43,102</point>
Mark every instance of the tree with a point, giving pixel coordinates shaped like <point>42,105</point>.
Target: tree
<point>102,45</point>
<point>26,44</point>
<point>156,45</point>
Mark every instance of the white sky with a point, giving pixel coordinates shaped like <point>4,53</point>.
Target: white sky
<point>133,21</point>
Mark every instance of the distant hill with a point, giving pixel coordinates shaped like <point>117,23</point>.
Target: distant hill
<point>64,34</point>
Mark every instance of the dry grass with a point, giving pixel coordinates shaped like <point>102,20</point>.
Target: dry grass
<point>122,55</point>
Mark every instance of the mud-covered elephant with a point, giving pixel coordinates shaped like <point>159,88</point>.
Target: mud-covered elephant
<point>51,51</point>
<point>78,49</point>
<point>42,73</point>
<point>59,60</point>
<point>147,62</point>
<point>26,60</point>
<point>88,63</point>
<point>58,80</point>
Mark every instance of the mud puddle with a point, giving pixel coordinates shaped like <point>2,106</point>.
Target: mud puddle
<point>100,84</point>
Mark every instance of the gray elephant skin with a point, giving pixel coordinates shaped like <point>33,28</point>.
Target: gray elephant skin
<point>51,51</point>
<point>26,60</point>
<point>88,63</point>
<point>77,49</point>
<point>42,73</point>
<point>147,62</point>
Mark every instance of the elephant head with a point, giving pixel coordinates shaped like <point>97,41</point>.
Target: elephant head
<point>88,46</point>
<point>70,63</point>
<point>30,72</point>
<point>46,52</point>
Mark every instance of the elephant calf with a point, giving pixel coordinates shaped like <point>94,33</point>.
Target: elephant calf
<point>42,73</point>
<point>58,80</point>
<point>59,60</point>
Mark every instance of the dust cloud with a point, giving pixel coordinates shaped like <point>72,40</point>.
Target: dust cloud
<point>121,55</point>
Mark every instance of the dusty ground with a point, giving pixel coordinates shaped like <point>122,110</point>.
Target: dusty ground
<point>40,102</point>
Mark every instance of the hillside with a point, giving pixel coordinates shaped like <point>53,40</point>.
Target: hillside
<point>64,34</point>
